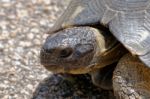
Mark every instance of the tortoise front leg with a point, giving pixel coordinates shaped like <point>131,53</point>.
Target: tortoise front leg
<point>131,79</point>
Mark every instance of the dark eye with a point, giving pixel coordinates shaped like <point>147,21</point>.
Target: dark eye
<point>65,53</point>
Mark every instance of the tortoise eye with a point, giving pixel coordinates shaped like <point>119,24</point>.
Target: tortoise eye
<point>65,52</point>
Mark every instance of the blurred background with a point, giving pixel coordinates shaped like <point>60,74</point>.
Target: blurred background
<point>23,27</point>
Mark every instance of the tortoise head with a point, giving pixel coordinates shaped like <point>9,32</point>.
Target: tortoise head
<point>70,50</point>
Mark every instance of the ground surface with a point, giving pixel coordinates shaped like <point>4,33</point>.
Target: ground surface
<point>23,24</point>
<point>22,27</point>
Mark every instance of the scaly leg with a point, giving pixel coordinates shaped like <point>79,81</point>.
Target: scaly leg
<point>131,79</point>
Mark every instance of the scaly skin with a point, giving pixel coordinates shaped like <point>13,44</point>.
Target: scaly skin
<point>131,79</point>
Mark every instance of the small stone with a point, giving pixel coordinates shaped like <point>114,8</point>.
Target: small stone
<point>22,13</point>
<point>37,42</point>
<point>47,2</point>
<point>25,43</point>
<point>13,79</point>
<point>1,46</point>
<point>30,36</point>
<point>6,82</point>
<point>23,91</point>
<point>19,49</point>
<point>34,1</point>
<point>44,22</point>
<point>13,34</point>
<point>29,86</point>
<point>16,63</point>
<point>43,76</point>
<point>1,63</point>
<point>11,16</point>
<point>6,1</point>
<point>5,97</point>
<point>35,30</point>
<point>3,86</point>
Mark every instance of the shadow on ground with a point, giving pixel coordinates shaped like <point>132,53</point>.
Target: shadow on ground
<point>70,87</point>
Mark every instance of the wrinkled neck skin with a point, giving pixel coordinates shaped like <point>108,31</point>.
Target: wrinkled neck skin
<point>106,53</point>
<point>100,50</point>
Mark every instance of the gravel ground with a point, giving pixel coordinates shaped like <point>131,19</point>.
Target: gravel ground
<point>23,24</point>
<point>22,27</point>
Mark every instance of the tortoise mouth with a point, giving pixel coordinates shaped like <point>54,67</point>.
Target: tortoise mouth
<point>70,70</point>
<point>57,68</point>
<point>54,68</point>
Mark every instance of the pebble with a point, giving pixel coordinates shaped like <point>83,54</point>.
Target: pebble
<point>30,36</point>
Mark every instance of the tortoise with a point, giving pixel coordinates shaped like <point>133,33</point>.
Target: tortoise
<point>92,34</point>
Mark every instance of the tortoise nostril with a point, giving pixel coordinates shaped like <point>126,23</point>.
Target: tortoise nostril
<point>48,51</point>
<point>65,53</point>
